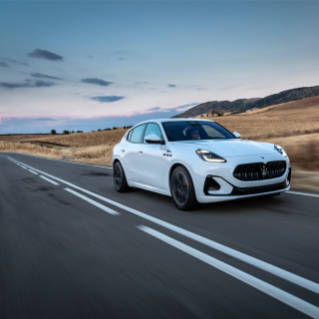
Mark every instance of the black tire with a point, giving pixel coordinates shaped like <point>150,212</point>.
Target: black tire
<point>119,178</point>
<point>182,189</point>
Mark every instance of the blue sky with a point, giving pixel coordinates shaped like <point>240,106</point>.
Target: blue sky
<point>89,65</point>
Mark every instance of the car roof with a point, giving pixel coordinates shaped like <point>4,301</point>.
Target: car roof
<point>171,120</point>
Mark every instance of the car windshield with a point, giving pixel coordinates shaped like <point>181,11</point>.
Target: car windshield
<point>195,130</point>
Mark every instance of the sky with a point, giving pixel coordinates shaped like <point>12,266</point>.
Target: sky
<point>85,65</point>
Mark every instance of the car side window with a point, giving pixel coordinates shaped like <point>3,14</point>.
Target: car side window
<point>128,137</point>
<point>153,128</point>
<point>137,133</point>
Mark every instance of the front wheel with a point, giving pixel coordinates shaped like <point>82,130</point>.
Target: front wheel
<point>119,178</point>
<point>182,189</point>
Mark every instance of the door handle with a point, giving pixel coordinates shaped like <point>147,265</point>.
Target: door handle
<point>123,150</point>
<point>141,152</point>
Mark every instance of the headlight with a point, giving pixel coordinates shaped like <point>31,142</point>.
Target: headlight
<point>280,150</point>
<point>208,156</point>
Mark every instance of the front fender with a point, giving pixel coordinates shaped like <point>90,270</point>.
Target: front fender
<point>174,163</point>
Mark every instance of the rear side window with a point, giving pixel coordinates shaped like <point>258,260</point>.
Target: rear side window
<point>136,135</point>
<point>128,137</point>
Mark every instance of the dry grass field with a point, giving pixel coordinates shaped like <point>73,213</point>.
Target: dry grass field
<point>293,118</point>
<point>111,137</point>
<point>21,137</point>
<point>92,147</point>
<point>293,125</point>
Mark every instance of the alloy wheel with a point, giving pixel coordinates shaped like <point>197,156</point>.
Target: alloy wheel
<point>118,176</point>
<point>180,188</point>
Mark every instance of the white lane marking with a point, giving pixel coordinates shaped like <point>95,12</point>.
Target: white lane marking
<point>33,172</point>
<point>13,160</point>
<point>49,180</point>
<point>268,289</point>
<point>303,194</point>
<point>93,202</point>
<point>76,163</point>
<point>23,167</point>
<point>300,281</point>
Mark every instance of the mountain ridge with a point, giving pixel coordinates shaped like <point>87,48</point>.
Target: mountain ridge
<point>242,105</point>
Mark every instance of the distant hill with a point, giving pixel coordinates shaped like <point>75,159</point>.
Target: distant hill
<point>245,104</point>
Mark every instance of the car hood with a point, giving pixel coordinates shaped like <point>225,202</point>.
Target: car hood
<point>231,147</point>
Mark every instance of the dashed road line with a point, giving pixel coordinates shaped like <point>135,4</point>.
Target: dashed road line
<point>49,180</point>
<point>303,194</point>
<point>69,162</point>
<point>268,289</point>
<point>33,172</point>
<point>93,202</point>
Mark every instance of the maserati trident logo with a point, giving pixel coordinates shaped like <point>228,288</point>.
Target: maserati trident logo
<point>264,171</point>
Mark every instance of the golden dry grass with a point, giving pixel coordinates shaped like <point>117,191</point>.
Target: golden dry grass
<point>92,147</point>
<point>85,139</point>
<point>303,150</point>
<point>293,118</point>
<point>99,154</point>
<point>21,137</point>
<point>304,179</point>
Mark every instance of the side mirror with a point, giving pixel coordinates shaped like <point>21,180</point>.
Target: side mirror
<point>153,139</point>
<point>236,134</point>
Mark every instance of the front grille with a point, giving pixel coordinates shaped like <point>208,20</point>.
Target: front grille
<point>258,171</point>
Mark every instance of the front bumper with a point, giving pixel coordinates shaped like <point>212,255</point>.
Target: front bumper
<point>224,186</point>
<point>214,199</point>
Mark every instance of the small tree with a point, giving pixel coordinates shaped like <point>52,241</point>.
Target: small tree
<point>66,132</point>
<point>79,131</point>
<point>53,132</point>
<point>114,128</point>
<point>99,130</point>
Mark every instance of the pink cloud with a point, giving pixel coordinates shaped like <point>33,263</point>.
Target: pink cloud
<point>127,115</point>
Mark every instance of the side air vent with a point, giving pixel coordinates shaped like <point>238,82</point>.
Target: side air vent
<point>210,185</point>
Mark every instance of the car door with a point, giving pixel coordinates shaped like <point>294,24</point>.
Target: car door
<point>152,161</point>
<point>133,153</point>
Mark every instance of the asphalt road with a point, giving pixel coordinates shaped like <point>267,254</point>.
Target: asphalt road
<point>72,247</point>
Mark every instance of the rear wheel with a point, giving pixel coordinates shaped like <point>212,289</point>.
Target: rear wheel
<point>119,178</point>
<point>182,189</point>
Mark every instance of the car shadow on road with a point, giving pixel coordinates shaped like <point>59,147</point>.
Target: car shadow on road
<point>247,205</point>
